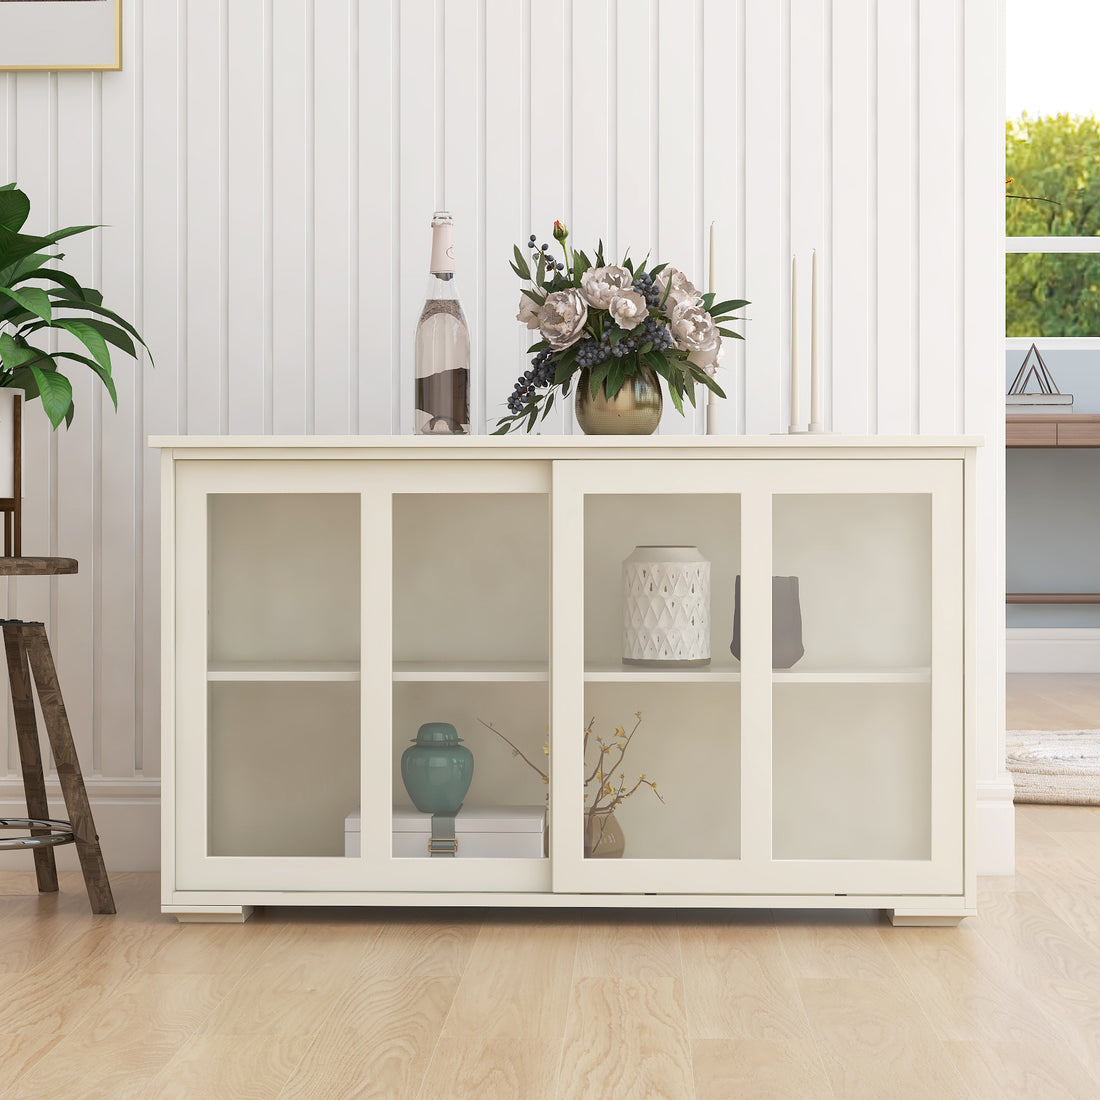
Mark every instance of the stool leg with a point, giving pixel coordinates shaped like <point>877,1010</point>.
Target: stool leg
<point>68,768</point>
<point>30,754</point>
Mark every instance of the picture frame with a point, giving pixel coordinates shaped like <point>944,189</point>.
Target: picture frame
<point>60,35</point>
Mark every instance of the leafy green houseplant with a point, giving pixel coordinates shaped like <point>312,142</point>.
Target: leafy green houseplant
<point>609,324</point>
<point>38,304</point>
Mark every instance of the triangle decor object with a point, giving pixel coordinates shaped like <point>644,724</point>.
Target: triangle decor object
<point>1034,371</point>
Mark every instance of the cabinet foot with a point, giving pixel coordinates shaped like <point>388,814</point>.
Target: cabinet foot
<point>915,918</point>
<point>214,914</point>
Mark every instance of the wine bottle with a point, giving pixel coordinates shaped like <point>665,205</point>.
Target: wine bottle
<point>442,344</point>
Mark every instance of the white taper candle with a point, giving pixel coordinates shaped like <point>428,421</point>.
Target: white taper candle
<point>795,425</point>
<point>712,287</point>
<point>816,424</point>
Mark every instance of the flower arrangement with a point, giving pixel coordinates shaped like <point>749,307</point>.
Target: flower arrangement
<point>611,322</point>
<point>610,790</point>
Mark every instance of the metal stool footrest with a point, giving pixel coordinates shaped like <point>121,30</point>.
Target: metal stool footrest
<point>61,832</point>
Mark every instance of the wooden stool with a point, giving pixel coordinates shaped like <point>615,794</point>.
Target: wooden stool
<point>28,651</point>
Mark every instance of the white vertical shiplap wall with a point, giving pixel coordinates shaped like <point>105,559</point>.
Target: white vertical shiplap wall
<point>268,169</point>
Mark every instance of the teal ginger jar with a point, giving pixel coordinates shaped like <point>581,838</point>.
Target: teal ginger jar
<point>437,769</point>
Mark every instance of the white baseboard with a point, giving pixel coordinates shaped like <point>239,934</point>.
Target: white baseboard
<point>995,828</point>
<point>1052,649</point>
<point>127,819</point>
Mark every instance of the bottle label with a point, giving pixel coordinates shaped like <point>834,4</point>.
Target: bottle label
<point>443,248</point>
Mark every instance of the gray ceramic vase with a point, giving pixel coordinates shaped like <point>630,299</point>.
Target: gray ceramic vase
<point>787,646</point>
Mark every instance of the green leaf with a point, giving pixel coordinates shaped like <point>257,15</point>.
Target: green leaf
<point>101,311</point>
<point>14,354</point>
<point>563,371</point>
<point>596,378</point>
<point>524,271</point>
<point>112,334</point>
<point>91,339</point>
<point>103,375</point>
<point>727,307</point>
<point>15,246</point>
<point>56,394</point>
<point>62,278</point>
<point>83,295</point>
<point>617,334</point>
<point>535,296</point>
<point>615,378</point>
<point>677,400</point>
<point>540,275</point>
<point>14,208</point>
<point>31,298</point>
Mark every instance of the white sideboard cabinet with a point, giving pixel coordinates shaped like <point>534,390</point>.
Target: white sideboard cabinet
<point>324,597</point>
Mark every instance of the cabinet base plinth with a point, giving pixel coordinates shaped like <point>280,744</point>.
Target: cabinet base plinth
<point>214,914</point>
<point>915,918</point>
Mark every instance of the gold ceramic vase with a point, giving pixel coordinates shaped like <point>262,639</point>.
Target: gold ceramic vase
<point>634,410</point>
<point>603,835</point>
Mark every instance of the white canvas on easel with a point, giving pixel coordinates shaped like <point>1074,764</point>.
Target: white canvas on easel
<point>1047,393</point>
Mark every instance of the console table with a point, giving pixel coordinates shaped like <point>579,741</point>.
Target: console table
<point>323,597</point>
<point>1052,430</point>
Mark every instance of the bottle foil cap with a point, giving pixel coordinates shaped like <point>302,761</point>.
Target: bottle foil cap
<point>443,245</point>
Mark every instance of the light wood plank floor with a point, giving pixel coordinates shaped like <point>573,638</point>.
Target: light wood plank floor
<point>524,1005</point>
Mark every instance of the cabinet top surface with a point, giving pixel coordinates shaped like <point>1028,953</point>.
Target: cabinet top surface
<point>571,446</point>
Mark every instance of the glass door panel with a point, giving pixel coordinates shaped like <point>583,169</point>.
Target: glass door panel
<point>283,717</point>
<point>866,746</point>
<point>649,747</point>
<point>471,637</point>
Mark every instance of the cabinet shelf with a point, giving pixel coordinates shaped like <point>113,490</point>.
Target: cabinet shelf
<point>617,673</point>
<point>439,672</point>
<point>852,676</point>
<point>300,672</point>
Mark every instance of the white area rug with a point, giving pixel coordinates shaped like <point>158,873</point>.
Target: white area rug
<point>1056,766</point>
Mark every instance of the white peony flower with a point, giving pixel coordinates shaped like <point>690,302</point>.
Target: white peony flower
<point>600,284</point>
<point>562,318</point>
<point>628,309</point>
<point>683,289</point>
<point>694,331</point>
<point>528,312</point>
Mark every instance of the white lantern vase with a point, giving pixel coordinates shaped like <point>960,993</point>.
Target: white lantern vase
<point>666,607</point>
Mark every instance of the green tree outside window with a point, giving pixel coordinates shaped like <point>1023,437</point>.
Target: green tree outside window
<point>1057,158</point>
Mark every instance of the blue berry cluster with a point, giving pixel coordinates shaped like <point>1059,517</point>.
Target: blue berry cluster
<point>648,288</point>
<point>538,377</point>
<point>652,332</point>
<point>593,352</point>
<point>544,249</point>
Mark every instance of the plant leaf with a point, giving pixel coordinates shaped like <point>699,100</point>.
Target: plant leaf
<point>104,376</point>
<point>14,208</point>
<point>726,307</point>
<point>91,339</point>
<point>56,393</point>
<point>112,334</point>
<point>524,271</point>
<point>31,298</point>
<point>14,354</point>
<point>16,246</point>
<point>615,378</point>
